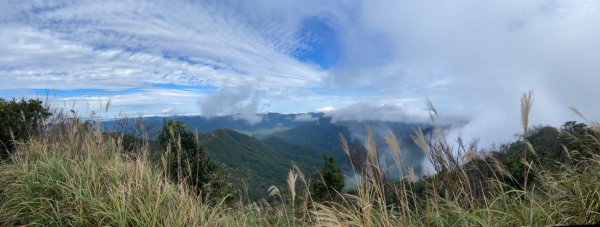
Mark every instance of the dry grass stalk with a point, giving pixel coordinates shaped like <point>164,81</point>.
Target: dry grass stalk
<point>576,111</point>
<point>291,182</point>
<point>392,142</point>
<point>471,156</point>
<point>346,149</point>
<point>433,114</point>
<point>274,191</point>
<point>526,103</point>
<point>419,138</point>
<point>371,146</point>
<point>411,177</point>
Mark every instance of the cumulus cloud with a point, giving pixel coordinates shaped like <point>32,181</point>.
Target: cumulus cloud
<point>242,102</point>
<point>372,112</point>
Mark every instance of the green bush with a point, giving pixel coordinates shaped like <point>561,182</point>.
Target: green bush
<point>19,120</point>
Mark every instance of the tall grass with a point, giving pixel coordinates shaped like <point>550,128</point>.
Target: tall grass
<point>78,177</point>
<point>72,175</point>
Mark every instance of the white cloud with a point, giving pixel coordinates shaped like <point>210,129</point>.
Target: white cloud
<point>122,44</point>
<point>167,111</point>
<point>305,117</point>
<point>481,56</point>
<point>467,56</point>
<point>35,59</point>
<point>241,101</point>
<point>326,109</point>
<point>159,101</point>
<point>372,112</point>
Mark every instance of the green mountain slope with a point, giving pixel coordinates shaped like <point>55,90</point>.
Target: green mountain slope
<point>321,135</point>
<point>255,165</point>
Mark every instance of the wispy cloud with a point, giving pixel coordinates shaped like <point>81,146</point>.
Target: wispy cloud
<point>467,56</point>
<point>133,103</point>
<point>124,44</point>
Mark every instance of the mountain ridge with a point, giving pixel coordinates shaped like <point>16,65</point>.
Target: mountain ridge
<point>258,164</point>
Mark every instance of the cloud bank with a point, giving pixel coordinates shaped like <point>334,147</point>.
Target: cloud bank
<point>241,102</point>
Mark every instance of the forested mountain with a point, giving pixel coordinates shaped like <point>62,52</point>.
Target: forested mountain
<point>324,135</point>
<point>257,164</point>
<point>321,135</point>
<point>314,131</point>
<point>256,156</point>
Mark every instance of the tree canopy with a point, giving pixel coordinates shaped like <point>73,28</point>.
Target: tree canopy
<point>188,161</point>
<point>328,181</point>
<point>19,120</point>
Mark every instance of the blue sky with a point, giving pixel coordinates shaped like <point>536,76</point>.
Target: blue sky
<point>377,59</point>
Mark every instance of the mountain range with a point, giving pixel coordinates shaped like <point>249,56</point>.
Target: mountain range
<point>260,155</point>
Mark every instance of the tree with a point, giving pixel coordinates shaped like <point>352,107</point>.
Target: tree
<point>546,143</point>
<point>328,180</point>
<point>579,137</point>
<point>19,120</point>
<point>187,160</point>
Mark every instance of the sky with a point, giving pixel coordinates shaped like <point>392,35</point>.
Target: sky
<point>361,60</point>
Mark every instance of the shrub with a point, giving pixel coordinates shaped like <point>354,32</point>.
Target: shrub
<point>19,120</point>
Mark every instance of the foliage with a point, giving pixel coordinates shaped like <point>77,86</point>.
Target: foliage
<point>329,181</point>
<point>187,160</point>
<point>322,135</point>
<point>19,120</point>
<point>579,137</point>
<point>257,164</point>
<point>549,145</point>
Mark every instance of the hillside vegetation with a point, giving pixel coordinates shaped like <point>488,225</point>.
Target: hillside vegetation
<point>249,162</point>
<point>73,174</point>
<point>255,165</point>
